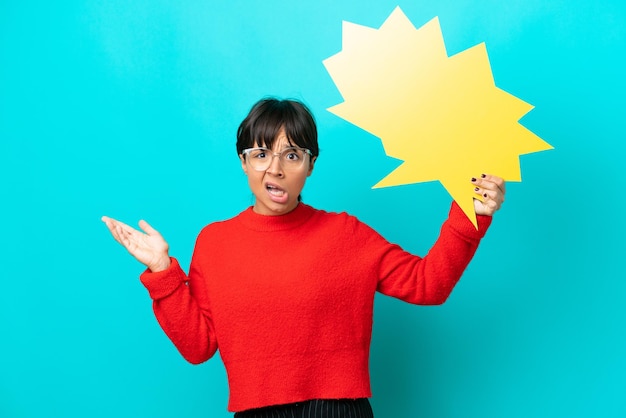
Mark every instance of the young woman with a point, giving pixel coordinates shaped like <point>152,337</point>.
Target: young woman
<point>286,291</point>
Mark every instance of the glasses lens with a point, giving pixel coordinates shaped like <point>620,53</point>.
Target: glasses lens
<point>259,158</point>
<point>290,158</point>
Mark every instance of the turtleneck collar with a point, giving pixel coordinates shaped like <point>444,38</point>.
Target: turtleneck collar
<point>298,216</point>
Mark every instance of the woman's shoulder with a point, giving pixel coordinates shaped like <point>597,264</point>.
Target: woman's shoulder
<point>344,229</point>
<point>341,219</point>
<point>227,224</point>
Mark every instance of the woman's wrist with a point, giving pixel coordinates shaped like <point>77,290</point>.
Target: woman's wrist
<point>161,265</point>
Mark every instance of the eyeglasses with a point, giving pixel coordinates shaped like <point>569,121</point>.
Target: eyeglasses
<point>290,159</point>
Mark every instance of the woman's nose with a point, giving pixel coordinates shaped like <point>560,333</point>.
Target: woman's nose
<point>275,167</point>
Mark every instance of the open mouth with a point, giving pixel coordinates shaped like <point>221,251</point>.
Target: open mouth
<point>276,194</point>
<point>274,190</point>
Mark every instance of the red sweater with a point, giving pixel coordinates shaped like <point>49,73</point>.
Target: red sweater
<point>288,299</point>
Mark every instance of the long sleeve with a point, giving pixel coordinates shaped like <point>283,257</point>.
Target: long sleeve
<point>430,280</point>
<point>182,310</point>
<point>290,299</point>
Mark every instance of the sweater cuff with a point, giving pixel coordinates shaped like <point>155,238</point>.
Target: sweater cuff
<point>163,283</point>
<point>461,223</point>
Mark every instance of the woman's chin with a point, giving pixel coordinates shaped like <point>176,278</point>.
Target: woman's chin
<point>273,208</point>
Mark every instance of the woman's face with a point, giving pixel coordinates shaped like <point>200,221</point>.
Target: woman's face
<point>276,190</point>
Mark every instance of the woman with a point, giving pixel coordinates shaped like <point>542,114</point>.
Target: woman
<point>286,291</point>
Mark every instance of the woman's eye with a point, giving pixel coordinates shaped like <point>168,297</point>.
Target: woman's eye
<point>259,155</point>
<point>293,156</point>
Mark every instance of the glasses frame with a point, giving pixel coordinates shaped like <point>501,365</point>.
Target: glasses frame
<point>247,152</point>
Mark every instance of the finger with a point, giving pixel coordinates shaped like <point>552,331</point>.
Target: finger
<point>122,225</point>
<point>498,181</point>
<point>112,226</point>
<point>483,182</point>
<point>109,222</point>
<point>117,234</point>
<point>491,205</point>
<point>131,239</point>
<point>493,196</point>
<point>480,194</point>
<point>489,193</point>
<point>493,180</point>
<point>125,235</point>
<point>494,205</point>
<point>486,207</point>
<point>121,235</point>
<point>485,194</point>
<point>145,226</point>
<point>490,198</point>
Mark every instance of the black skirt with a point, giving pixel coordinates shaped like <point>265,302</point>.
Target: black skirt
<point>316,408</point>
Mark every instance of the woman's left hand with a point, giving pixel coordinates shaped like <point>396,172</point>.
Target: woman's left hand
<point>491,190</point>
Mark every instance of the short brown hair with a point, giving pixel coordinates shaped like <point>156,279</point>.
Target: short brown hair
<point>268,116</point>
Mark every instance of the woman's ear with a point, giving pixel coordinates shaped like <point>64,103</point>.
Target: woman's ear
<point>311,165</point>
<point>244,166</point>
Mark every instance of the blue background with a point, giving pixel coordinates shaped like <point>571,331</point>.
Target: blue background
<point>130,109</point>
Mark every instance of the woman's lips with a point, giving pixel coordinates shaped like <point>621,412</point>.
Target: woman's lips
<point>276,194</point>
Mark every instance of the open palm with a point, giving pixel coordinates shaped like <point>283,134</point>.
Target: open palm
<point>148,247</point>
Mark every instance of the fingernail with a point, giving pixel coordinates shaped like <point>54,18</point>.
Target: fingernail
<point>482,176</point>
<point>473,179</point>
<point>476,189</point>
<point>485,195</point>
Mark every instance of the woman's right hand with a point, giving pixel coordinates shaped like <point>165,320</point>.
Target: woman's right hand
<point>148,248</point>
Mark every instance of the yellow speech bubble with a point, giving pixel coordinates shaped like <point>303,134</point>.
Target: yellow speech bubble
<point>442,116</point>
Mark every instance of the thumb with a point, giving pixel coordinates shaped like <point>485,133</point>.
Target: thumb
<point>147,228</point>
